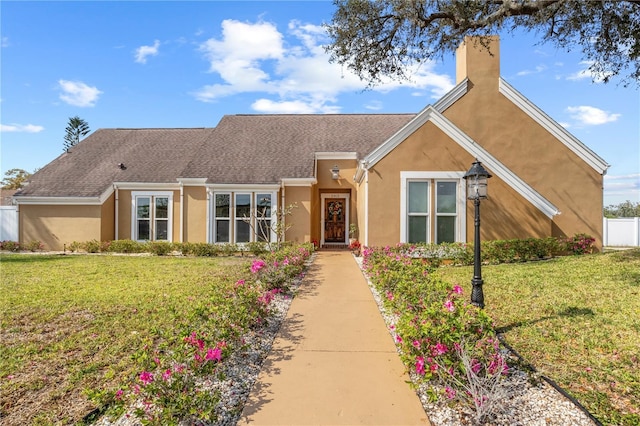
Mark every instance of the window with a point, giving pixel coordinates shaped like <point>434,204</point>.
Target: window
<point>223,218</point>
<point>248,219</point>
<point>432,215</point>
<point>151,216</point>
<point>418,213</point>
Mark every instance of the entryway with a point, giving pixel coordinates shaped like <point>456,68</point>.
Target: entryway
<point>335,212</point>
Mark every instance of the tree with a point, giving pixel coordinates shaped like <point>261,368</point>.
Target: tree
<point>76,129</point>
<point>15,178</point>
<point>384,38</point>
<point>626,209</point>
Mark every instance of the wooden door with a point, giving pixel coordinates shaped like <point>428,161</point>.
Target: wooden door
<point>334,220</point>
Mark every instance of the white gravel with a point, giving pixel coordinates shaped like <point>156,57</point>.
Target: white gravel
<point>532,405</point>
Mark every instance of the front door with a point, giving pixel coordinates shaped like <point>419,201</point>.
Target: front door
<point>334,220</point>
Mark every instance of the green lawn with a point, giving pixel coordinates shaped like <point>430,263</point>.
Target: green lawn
<point>577,320</point>
<point>73,323</point>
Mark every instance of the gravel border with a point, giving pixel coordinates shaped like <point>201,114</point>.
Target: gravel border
<point>531,404</point>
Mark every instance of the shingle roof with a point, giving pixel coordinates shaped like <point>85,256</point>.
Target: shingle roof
<point>90,167</point>
<point>242,149</point>
<point>266,148</point>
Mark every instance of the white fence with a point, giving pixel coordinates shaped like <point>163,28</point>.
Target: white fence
<point>621,232</point>
<point>8,223</point>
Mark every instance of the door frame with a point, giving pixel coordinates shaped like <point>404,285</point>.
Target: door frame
<point>347,198</point>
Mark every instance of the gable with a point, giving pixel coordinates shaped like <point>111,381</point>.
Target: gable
<point>430,114</point>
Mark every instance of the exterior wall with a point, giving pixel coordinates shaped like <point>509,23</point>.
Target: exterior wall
<point>56,226</point>
<point>300,218</point>
<point>505,214</point>
<point>107,219</point>
<point>527,149</point>
<point>326,184</point>
<point>195,214</point>
<point>124,215</point>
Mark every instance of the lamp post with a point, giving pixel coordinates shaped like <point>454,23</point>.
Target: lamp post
<point>476,179</point>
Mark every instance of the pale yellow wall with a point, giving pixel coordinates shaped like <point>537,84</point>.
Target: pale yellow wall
<point>300,218</point>
<point>195,214</point>
<point>55,226</point>
<point>124,215</point>
<point>527,149</point>
<point>107,219</point>
<point>506,214</point>
<point>326,184</point>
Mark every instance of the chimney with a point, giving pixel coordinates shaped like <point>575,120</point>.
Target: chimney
<point>478,58</point>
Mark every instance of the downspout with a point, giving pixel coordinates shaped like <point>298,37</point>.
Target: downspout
<point>207,221</point>
<point>282,225</point>
<point>117,228</point>
<point>366,207</point>
<point>181,212</point>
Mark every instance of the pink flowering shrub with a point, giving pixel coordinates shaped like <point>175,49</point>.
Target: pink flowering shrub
<point>435,322</point>
<point>173,384</point>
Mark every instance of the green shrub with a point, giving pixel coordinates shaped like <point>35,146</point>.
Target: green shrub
<point>159,248</point>
<point>92,246</point>
<point>257,248</point>
<point>34,246</point>
<point>228,249</point>
<point>198,249</point>
<point>578,244</point>
<point>10,245</point>
<point>75,246</point>
<point>127,246</point>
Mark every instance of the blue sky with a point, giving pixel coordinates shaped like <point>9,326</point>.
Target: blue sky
<point>186,64</point>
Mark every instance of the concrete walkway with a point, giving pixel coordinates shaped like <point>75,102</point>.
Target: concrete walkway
<point>333,361</point>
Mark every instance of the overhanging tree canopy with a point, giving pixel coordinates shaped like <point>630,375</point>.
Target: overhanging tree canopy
<point>382,38</point>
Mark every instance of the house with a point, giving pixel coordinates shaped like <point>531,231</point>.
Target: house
<point>398,177</point>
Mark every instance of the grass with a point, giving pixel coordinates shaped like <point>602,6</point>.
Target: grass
<point>70,324</point>
<point>577,320</point>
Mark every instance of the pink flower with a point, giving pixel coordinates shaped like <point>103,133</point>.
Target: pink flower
<point>398,338</point>
<point>389,295</point>
<point>214,354</point>
<point>449,306</point>
<point>257,265</point>
<point>285,262</point>
<point>146,377</point>
<point>457,289</point>
<point>475,366</point>
<point>416,344</point>
<point>420,366</point>
<point>450,393</point>
<point>433,368</point>
<point>166,375</point>
<point>119,394</point>
<point>239,283</point>
<point>439,349</point>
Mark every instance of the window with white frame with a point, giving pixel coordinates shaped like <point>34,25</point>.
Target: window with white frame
<point>432,207</point>
<point>242,217</point>
<point>152,213</point>
<point>222,223</point>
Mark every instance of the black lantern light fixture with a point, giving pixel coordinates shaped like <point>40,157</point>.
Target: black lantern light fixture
<point>476,179</point>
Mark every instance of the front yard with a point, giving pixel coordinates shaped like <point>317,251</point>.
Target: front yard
<point>577,320</point>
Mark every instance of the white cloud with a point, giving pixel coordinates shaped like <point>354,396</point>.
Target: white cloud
<point>538,69</point>
<point>79,94</point>
<point>374,105</point>
<point>5,41</point>
<point>293,72</point>
<point>21,128</point>
<point>626,187</point>
<point>586,73</point>
<point>591,116</point>
<point>143,52</point>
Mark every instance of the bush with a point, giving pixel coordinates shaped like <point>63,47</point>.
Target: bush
<point>227,249</point>
<point>75,246</point>
<point>198,249</point>
<point>10,245</point>
<point>127,246</point>
<point>160,248</point>
<point>578,244</point>
<point>34,246</point>
<point>257,248</point>
<point>92,246</point>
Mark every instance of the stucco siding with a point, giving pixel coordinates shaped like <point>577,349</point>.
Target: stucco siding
<point>56,226</point>
<point>107,219</point>
<point>195,214</point>
<point>299,221</point>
